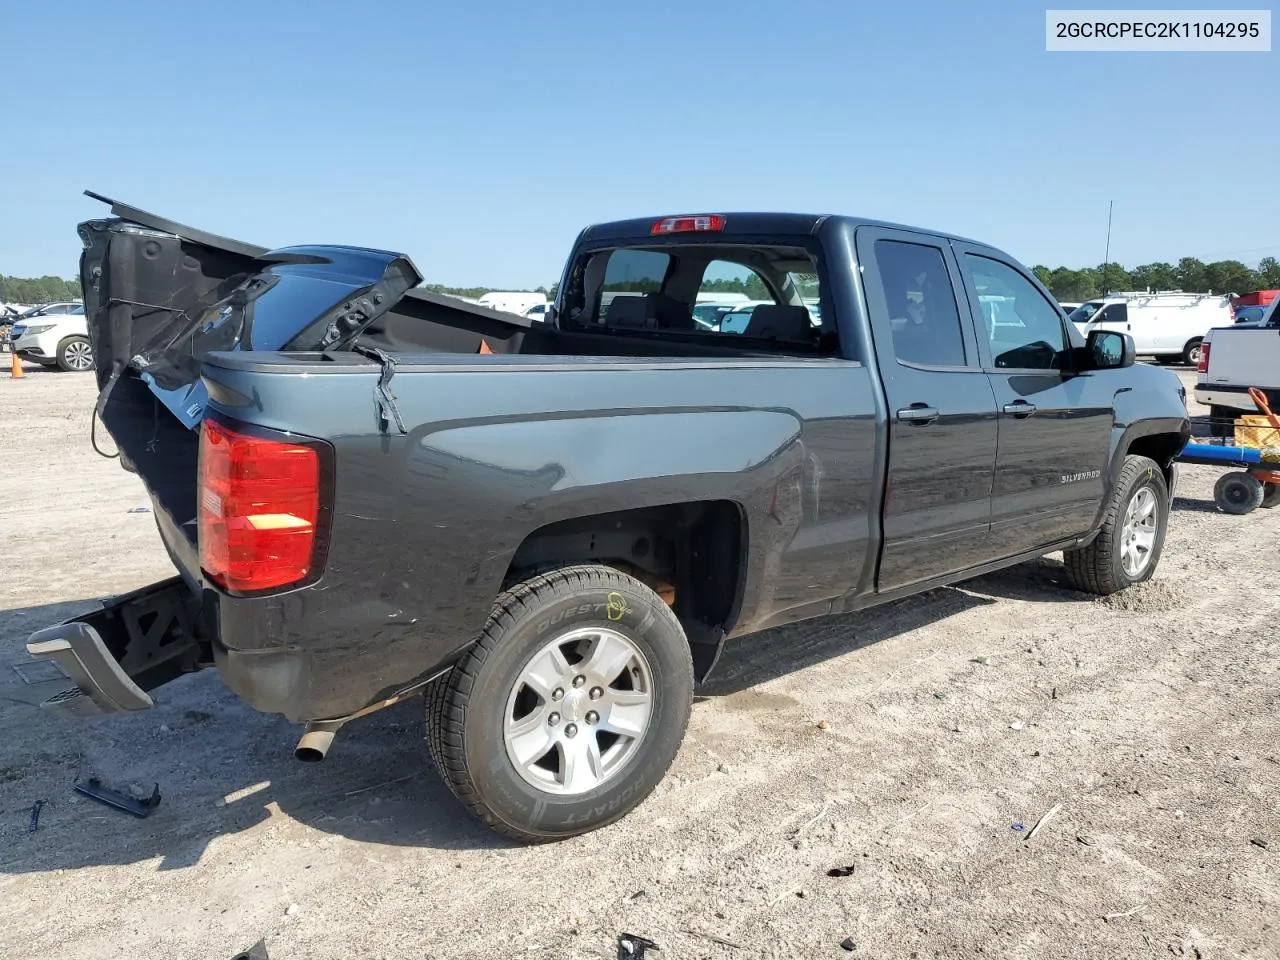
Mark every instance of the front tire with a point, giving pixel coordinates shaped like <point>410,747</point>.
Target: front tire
<point>75,354</point>
<point>1127,548</point>
<point>570,708</point>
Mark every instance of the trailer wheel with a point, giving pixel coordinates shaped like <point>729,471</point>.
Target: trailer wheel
<point>1127,548</point>
<point>569,709</point>
<point>1238,493</point>
<point>1271,494</point>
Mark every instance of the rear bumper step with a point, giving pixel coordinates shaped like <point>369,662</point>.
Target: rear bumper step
<point>113,656</point>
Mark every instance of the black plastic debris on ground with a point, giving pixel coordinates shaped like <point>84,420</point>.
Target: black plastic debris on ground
<point>257,952</point>
<point>35,816</point>
<point>841,871</point>
<point>94,789</point>
<point>631,947</point>
<point>848,944</point>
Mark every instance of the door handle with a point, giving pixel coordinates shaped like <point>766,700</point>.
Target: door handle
<point>1020,409</point>
<point>918,414</point>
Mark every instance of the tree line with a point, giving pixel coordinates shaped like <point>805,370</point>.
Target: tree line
<point>1189,274</point>
<point>1086,283</point>
<point>33,290</point>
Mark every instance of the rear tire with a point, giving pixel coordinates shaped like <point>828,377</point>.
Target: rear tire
<point>1238,493</point>
<point>1191,352</point>
<point>1127,548</point>
<point>75,354</point>
<point>527,729</point>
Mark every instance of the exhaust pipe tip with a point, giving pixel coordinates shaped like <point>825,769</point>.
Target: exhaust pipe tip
<point>313,746</point>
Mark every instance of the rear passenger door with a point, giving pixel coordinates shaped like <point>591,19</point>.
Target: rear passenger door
<point>1055,423</point>
<point>942,412</point>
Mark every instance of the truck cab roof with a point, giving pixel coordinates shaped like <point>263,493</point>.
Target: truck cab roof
<point>748,224</point>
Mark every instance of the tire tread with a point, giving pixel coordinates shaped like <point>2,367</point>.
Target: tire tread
<point>1092,568</point>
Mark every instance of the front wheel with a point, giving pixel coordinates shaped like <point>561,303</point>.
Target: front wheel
<point>570,708</point>
<point>1127,548</point>
<point>75,353</point>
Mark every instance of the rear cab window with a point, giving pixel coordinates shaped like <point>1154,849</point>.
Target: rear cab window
<point>765,297</point>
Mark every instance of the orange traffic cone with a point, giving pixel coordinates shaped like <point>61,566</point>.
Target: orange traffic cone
<point>16,369</point>
<point>484,348</point>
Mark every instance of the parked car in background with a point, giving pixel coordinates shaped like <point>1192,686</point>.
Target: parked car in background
<point>1166,325</point>
<point>1250,315</point>
<point>517,302</point>
<point>7,318</point>
<point>1252,307</point>
<point>1068,306</point>
<point>54,334</point>
<point>737,319</point>
<point>708,315</point>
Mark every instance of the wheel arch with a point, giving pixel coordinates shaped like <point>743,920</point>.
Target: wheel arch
<point>692,553</point>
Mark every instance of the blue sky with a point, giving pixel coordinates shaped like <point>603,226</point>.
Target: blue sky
<point>479,137</point>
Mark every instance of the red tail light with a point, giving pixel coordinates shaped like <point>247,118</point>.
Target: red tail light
<point>1203,365</point>
<point>259,509</point>
<point>708,223</point>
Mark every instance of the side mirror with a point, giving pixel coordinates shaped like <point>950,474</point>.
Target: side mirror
<point>1109,350</point>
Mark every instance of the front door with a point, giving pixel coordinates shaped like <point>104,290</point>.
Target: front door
<point>1055,424</point>
<point>942,412</point>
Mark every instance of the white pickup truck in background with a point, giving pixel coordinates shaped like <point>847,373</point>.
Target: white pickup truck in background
<point>1235,358</point>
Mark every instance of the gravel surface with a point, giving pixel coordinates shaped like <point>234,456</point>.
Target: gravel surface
<point>919,744</point>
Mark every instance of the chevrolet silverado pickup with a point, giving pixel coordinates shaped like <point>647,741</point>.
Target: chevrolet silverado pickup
<point>551,527</point>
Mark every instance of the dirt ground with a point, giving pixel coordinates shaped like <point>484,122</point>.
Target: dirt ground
<point>918,743</point>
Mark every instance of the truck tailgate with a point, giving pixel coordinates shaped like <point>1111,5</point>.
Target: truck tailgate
<point>1244,357</point>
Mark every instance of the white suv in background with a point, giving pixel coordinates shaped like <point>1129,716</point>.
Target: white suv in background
<point>55,334</point>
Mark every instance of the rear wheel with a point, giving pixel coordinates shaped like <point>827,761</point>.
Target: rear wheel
<point>75,353</point>
<point>570,708</point>
<point>1191,352</point>
<point>1127,548</point>
<point>1238,493</point>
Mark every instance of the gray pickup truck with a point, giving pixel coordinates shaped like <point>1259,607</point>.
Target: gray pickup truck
<point>552,527</point>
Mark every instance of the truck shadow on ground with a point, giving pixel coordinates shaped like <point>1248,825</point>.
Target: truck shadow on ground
<point>223,769</point>
<point>1195,506</point>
